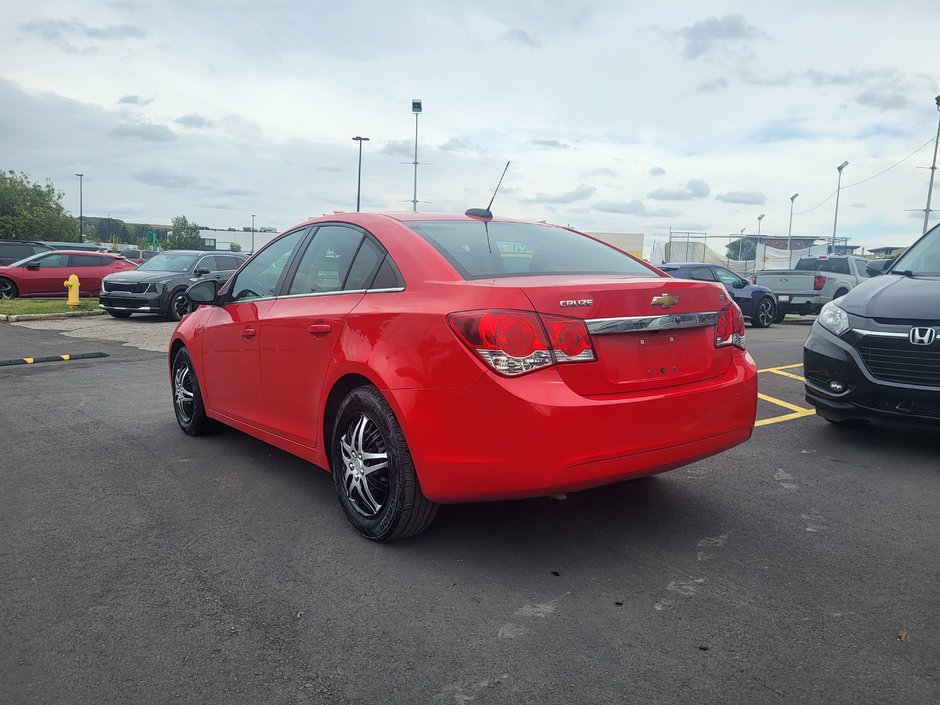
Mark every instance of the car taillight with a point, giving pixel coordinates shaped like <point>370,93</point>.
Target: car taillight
<point>516,342</point>
<point>819,282</point>
<point>730,327</point>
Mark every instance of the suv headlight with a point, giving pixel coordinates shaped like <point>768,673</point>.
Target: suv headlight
<point>157,287</point>
<point>833,319</point>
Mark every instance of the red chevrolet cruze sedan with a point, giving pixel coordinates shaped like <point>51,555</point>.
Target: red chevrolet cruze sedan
<point>44,274</point>
<point>452,358</point>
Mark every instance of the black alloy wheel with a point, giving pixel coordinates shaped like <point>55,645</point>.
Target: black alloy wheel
<point>187,397</point>
<point>179,305</point>
<point>8,289</point>
<point>373,472</point>
<point>766,313</point>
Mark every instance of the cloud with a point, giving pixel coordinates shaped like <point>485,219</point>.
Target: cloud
<point>635,207</point>
<point>719,84</point>
<point>62,33</point>
<point>398,148</point>
<point>884,98</point>
<point>751,198</point>
<point>193,120</point>
<point>550,144</point>
<point>702,37</point>
<point>696,188</point>
<point>520,36</point>
<point>457,145</point>
<point>144,131</point>
<point>754,79</point>
<point>859,204</point>
<point>657,171</point>
<point>600,171</point>
<point>134,100</point>
<point>578,194</point>
<point>164,178</point>
<point>235,191</point>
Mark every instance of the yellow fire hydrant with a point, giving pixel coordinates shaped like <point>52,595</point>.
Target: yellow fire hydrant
<point>72,285</point>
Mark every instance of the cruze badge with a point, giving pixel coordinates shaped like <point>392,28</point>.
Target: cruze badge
<point>922,336</point>
<point>664,300</point>
<point>570,303</point>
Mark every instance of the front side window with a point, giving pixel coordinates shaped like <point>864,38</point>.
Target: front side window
<point>727,277</point>
<point>482,250</point>
<point>50,261</point>
<point>259,278</point>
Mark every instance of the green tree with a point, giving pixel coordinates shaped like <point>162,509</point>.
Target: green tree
<point>184,235</point>
<point>110,230</point>
<point>33,211</point>
<point>742,249</point>
<point>235,247</point>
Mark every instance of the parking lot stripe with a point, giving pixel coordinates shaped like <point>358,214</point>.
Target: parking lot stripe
<point>781,402</point>
<point>782,367</point>
<point>786,417</point>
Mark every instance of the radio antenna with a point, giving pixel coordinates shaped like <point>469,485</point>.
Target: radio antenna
<point>498,185</point>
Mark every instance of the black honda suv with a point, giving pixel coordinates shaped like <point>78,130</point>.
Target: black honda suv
<point>158,285</point>
<point>874,354</point>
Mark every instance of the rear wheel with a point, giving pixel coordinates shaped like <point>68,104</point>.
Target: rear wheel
<point>179,305</point>
<point>8,289</point>
<point>766,313</point>
<point>120,314</point>
<point>373,472</point>
<point>187,397</point>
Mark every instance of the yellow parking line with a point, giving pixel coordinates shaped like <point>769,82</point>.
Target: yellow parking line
<point>787,374</point>
<point>785,417</point>
<point>781,367</point>
<point>781,402</point>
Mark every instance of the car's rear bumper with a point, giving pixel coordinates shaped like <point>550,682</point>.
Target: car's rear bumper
<point>532,436</point>
<point>827,358</point>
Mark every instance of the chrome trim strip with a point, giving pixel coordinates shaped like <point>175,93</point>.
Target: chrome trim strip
<point>314,293</point>
<point>144,309</point>
<point>881,333</point>
<point>633,324</point>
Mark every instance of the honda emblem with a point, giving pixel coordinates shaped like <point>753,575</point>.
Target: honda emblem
<point>922,336</point>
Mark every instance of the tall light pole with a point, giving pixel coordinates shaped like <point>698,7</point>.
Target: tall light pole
<point>933,169</point>
<point>252,233</point>
<point>756,245</point>
<point>360,140</point>
<point>416,109</point>
<point>790,232</point>
<point>835,220</point>
<point>81,198</point>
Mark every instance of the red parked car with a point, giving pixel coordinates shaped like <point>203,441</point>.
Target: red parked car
<point>444,358</point>
<point>44,274</point>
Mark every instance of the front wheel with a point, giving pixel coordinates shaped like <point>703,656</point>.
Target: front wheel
<point>780,314</point>
<point>373,472</point>
<point>179,305</point>
<point>766,313</point>
<point>187,397</point>
<point>8,289</point>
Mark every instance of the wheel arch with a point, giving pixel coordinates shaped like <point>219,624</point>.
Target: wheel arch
<point>341,387</point>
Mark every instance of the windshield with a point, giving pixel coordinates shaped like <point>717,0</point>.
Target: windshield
<point>923,257</point>
<point>480,250</point>
<point>169,262</point>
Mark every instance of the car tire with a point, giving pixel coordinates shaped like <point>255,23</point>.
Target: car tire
<point>373,471</point>
<point>8,289</point>
<point>780,314</point>
<point>119,314</point>
<point>187,396</point>
<point>765,315</point>
<point>178,305</point>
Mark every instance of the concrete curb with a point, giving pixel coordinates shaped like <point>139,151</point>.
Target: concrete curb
<point>13,318</point>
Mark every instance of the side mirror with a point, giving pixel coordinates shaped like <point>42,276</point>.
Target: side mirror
<point>740,284</point>
<point>204,292</point>
<point>878,266</point>
<point>200,271</point>
<point>32,266</point>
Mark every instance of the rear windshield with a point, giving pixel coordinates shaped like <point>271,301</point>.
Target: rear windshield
<point>482,250</point>
<point>838,265</point>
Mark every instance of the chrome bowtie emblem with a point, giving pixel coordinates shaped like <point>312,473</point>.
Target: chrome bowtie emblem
<point>664,300</point>
<point>922,336</point>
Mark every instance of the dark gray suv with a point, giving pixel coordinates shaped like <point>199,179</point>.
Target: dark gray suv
<point>158,285</point>
<point>14,250</point>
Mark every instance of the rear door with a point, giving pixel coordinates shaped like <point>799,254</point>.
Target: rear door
<point>89,269</point>
<point>300,332</point>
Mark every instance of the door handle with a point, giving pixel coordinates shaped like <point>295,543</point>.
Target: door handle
<point>320,329</point>
<point>248,333</point>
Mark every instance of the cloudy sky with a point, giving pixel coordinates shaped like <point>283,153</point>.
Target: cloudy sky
<point>616,116</point>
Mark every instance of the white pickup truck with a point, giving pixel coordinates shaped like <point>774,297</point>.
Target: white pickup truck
<point>813,283</point>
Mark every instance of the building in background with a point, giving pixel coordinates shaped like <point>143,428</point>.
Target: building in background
<point>628,242</point>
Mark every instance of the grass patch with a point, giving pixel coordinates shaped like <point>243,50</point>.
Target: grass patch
<point>18,307</point>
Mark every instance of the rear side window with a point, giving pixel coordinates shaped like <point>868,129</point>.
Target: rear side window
<point>327,261</point>
<point>88,261</point>
<point>701,274</point>
<point>363,268</point>
<point>483,250</point>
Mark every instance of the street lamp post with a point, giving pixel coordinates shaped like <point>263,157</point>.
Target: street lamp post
<point>790,232</point>
<point>416,109</point>
<point>81,198</point>
<point>835,220</point>
<point>252,233</point>
<point>756,245</point>
<point>360,140</point>
<point>933,169</point>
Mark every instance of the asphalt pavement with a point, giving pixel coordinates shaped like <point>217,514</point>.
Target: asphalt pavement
<point>139,565</point>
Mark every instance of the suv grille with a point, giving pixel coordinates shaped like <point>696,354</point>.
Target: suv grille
<point>132,288</point>
<point>896,360</point>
